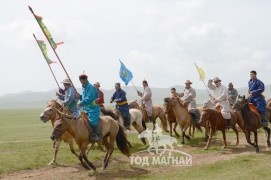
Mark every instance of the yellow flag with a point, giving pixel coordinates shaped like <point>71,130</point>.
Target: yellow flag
<point>201,73</point>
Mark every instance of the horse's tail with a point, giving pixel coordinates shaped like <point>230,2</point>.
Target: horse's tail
<point>197,125</point>
<point>144,124</point>
<point>122,142</point>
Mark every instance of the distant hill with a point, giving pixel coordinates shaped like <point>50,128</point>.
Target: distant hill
<point>29,99</point>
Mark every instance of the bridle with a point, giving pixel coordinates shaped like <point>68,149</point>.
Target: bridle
<point>240,105</point>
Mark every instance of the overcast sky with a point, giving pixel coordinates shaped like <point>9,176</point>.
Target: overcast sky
<point>159,40</point>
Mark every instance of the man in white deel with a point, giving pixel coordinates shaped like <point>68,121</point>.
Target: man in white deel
<point>220,97</point>
<point>146,99</point>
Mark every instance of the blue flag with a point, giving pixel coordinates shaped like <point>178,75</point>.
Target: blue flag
<point>125,74</point>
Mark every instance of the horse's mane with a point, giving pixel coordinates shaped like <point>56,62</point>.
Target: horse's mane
<point>109,113</point>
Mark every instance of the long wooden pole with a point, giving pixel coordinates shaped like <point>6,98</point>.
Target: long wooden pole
<point>47,62</point>
<point>31,10</point>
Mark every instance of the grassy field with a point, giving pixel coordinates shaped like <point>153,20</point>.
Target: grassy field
<point>25,145</point>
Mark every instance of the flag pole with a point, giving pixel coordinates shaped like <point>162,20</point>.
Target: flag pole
<point>31,10</point>
<point>47,63</point>
<point>133,85</point>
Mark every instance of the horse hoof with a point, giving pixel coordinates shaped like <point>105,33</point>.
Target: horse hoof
<point>182,142</point>
<point>206,148</point>
<point>268,144</point>
<point>167,131</point>
<point>51,163</point>
<point>257,150</point>
<point>223,147</point>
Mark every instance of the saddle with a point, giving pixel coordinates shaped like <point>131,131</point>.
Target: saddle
<point>92,130</point>
<point>254,109</point>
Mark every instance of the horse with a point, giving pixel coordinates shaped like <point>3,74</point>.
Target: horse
<point>251,120</point>
<point>79,130</point>
<point>217,122</point>
<point>136,119</point>
<point>183,117</point>
<point>49,113</point>
<point>156,112</point>
<point>168,108</point>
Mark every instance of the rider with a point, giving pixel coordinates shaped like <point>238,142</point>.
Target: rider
<point>232,92</point>
<point>68,97</point>
<point>146,99</point>
<point>100,99</point>
<point>256,88</point>
<point>220,97</point>
<point>174,93</point>
<point>88,105</point>
<point>119,97</point>
<point>188,97</point>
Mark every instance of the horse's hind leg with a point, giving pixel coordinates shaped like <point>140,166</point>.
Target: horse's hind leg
<point>249,140</point>
<point>110,151</point>
<point>268,135</point>
<point>56,148</point>
<point>256,140</point>
<point>237,135</point>
<point>105,140</point>
<point>72,148</point>
<point>170,128</point>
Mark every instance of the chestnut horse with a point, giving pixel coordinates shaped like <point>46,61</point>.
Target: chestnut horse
<point>217,122</point>
<point>49,113</point>
<point>111,131</point>
<point>168,108</point>
<point>251,120</point>
<point>183,117</point>
<point>156,112</point>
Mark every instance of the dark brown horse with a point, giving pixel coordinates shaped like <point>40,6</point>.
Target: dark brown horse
<point>217,122</point>
<point>251,120</point>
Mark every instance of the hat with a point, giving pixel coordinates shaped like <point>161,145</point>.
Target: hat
<point>216,79</point>
<point>117,84</point>
<point>144,81</point>
<point>230,84</point>
<point>188,82</point>
<point>253,72</point>
<point>83,76</point>
<point>97,84</point>
<point>66,81</point>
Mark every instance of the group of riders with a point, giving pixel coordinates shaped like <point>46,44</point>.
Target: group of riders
<point>92,99</point>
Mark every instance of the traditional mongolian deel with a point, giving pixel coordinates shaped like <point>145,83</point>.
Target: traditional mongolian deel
<point>70,100</point>
<point>89,95</point>
<point>256,88</point>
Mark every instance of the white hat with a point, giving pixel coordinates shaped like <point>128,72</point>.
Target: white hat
<point>97,84</point>
<point>216,79</point>
<point>66,81</point>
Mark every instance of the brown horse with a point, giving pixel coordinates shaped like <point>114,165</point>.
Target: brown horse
<point>49,113</point>
<point>251,121</point>
<point>168,108</point>
<point>111,132</point>
<point>183,117</point>
<point>268,110</point>
<point>157,111</point>
<point>217,122</point>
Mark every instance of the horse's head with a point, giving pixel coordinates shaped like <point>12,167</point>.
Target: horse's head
<point>204,116</point>
<point>60,127</point>
<point>240,103</point>
<point>133,104</point>
<point>49,112</point>
<point>167,104</point>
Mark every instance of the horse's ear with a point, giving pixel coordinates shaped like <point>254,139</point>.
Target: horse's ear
<point>239,96</point>
<point>244,97</point>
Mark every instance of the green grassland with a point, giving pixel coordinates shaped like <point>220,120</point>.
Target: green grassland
<point>25,144</point>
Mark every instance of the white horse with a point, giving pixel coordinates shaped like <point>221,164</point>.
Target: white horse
<point>136,119</point>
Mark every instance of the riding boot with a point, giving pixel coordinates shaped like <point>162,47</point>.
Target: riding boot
<point>150,119</point>
<point>264,121</point>
<point>92,135</point>
<point>229,125</point>
<point>98,131</point>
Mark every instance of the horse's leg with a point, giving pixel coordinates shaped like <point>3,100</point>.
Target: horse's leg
<point>185,135</point>
<point>112,139</point>
<point>56,148</point>
<point>174,129</point>
<point>105,140</point>
<point>170,128</point>
<point>194,127</point>
<point>237,134</point>
<point>268,135</point>
<point>249,140</point>
<point>209,139</point>
<point>81,155</point>
<point>140,129</point>
<point>86,158</point>
<point>163,121</point>
<point>224,138</point>
<point>190,127</point>
<point>256,140</point>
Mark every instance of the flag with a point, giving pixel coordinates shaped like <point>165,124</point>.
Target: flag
<point>201,73</point>
<point>46,31</point>
<point>43,49</point>
<point>125,74</point>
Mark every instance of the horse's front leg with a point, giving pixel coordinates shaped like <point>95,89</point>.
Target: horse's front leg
<point>170,128</point>
<point>237,134</point>
<point>249,140</point>
<point>210,138</point>
<point>56,148</point>
<point>268,135</point>
<point>224,139</point>
<point>84,156</point>
<point>72,148</point>
<point>256,141</point>
<point>174,129</point>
